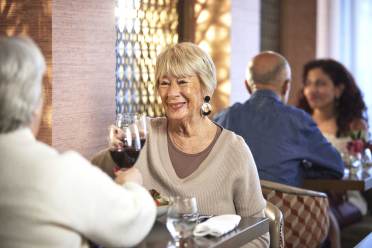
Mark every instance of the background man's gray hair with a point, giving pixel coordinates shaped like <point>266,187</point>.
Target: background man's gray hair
<point>277,74</point>
<point>22,67</point>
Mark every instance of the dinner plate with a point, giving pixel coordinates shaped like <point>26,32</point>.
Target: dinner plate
<point>161,210</point>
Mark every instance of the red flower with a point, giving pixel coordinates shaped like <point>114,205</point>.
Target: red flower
<point>356,146</point>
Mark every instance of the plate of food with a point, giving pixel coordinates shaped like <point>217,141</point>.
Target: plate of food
<point>161,210</point>
<point>161,202</point>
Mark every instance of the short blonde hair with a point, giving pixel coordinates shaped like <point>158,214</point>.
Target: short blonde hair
<point>186,59</point>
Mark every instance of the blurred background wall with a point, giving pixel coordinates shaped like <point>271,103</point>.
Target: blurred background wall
<point>83,91</point>
<point>344,32</point>
<point>34,19</point>
<point>286,26</point>
<point>78,39</point>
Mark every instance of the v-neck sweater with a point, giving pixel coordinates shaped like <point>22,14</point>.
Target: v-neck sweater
<point>226,182</point>
<point>179,158</point>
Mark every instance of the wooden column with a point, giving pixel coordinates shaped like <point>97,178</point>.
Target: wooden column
<point>83,74</point>
<point>297,38</point>
<point>77,39</point>
<point>33,19</point>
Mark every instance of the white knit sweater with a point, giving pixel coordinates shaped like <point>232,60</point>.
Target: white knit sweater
<point>56,200</point>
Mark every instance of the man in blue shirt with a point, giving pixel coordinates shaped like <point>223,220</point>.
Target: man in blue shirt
<point>285,142</point>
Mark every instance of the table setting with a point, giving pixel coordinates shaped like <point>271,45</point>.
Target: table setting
<point>187,227</point>
<point>355,151</point>
<point>357,156</point>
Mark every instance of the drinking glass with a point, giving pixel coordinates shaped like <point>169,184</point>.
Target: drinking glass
<point>181,218</point>
<point>367,159</point>
<point>126,156</point>
<point>142,127</point>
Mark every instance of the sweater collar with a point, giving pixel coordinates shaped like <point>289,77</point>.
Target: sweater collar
<point>17,136</point>
<point>20,134</point>
<point>161,134</point>
<point>265,93</point>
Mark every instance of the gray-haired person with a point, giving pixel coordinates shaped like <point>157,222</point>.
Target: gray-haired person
<point>49,199</point>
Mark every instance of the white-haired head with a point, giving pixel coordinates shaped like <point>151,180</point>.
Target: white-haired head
<point>22,67</point>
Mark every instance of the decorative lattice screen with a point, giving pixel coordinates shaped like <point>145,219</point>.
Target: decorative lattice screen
<point>143,29</point>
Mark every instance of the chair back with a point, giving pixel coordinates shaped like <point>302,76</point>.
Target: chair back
<point>276,225</point>
<point>306,220</point>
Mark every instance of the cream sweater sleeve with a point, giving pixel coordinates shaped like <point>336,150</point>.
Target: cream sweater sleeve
<point>248,196</point>
<point>102,211</point>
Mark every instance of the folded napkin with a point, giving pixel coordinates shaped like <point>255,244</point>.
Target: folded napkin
<point>217,226</point>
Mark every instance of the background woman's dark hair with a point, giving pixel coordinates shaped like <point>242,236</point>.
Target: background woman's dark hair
<point>350,105</point>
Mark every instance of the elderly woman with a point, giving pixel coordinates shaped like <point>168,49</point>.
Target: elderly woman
<point>332,97</point>
<point>187,154</point>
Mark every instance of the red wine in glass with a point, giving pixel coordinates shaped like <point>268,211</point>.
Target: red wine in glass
<point>125,158</point>
<point>119,157</point>
<point>131,155</point>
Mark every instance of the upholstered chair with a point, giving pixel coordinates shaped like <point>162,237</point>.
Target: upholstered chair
<point>276,225</point>
<point>306,220</point>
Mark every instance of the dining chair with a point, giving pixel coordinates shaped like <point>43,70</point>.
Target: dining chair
<point>306,220</point>
<point>276,225</point>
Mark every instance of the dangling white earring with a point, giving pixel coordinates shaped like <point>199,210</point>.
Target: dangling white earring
<point>206,107</point>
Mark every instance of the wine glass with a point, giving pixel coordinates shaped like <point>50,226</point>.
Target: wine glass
<point>142,128</point>
<point>126,156</point>
<point>181,218</point>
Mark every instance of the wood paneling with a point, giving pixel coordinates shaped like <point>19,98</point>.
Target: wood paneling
<point>297,37</point>
<point>186,20</point>
<point>212,33</point>
<point>33,19</point>
<point>270,23</point>
<point>83,74</point>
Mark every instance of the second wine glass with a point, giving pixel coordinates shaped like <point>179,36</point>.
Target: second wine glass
<point>142,127</point>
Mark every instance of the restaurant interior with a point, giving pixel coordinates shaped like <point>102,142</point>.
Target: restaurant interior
<point>101,57</point>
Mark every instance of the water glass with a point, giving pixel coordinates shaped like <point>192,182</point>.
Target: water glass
<point>367,159</point>
<point>182,217</point>
<point>355,166</point>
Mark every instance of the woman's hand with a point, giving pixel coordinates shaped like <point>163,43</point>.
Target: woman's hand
<point>128,175</point>
<point>115,138</point>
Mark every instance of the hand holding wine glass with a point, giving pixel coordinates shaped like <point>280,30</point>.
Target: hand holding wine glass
<point>115,138</point>
<point>128,175</point>
<point>125,142</point>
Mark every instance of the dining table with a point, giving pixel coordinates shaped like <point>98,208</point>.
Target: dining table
<point>248,229</point>
<point>366,242</point>
<point>361,181</point>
